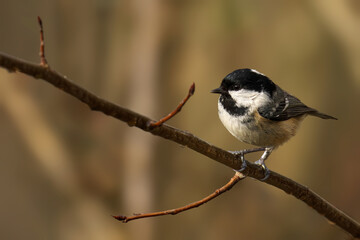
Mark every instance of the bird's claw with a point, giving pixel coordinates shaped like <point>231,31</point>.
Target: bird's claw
<point>261,163</point>
<point>242,158</point>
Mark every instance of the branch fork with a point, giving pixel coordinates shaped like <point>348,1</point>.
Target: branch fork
<point>235,179</point>
<point>191,92</point>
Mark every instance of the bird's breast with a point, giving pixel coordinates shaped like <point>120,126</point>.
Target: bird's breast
<point>252,128</point>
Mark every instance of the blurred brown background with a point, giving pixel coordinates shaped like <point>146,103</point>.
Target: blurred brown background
<point>64,169</point>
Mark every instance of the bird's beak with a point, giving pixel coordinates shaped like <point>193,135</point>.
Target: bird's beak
<point>218,90</point>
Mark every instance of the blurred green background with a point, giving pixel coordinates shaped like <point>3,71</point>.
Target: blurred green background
<point>64,170</point>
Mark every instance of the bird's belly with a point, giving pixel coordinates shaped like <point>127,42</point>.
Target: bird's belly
<point>244,130</point>
<point>264,132</point>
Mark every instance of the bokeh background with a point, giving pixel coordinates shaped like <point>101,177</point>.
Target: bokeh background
<point>64,170</point>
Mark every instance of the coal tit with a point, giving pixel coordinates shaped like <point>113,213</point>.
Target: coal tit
<point>257,111</point>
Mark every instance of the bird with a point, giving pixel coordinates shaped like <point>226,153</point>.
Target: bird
<point>257,111</point>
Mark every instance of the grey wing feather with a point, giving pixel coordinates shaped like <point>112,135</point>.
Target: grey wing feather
<point>287,106</point>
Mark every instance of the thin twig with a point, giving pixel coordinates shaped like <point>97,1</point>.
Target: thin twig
<point>43,61</point>
<point>235,179</point>
<point>178,108</point>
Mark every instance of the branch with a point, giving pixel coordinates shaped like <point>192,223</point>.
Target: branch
<point>235,179</point>
<point>184,138</point>
<point>43,61</point>
<point>177,110</point>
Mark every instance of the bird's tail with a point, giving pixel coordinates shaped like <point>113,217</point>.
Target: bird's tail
<point>321,115</point>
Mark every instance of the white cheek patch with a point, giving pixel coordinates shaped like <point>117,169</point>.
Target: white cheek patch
<point>261,100</point>
<point>243,97</point>
<point>249,98</point>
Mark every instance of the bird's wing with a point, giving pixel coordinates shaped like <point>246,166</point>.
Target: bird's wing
<point>285,107</point>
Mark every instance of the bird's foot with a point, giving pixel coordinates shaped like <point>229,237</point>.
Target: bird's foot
<point>261,163</point>
<point>240,154</point>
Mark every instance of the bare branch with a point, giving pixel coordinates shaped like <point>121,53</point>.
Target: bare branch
<point>235,179</point>
<point>43,61</point>
<point>177,110</point>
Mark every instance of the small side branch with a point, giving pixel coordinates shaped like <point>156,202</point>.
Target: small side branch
<point>43,61</point>
<point>178,108</point>
<point>235,179</point>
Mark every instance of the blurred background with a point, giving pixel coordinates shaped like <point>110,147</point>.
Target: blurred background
<point>64,170</point>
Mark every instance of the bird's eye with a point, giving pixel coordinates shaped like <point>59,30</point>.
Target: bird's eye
<point>236,87</point>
